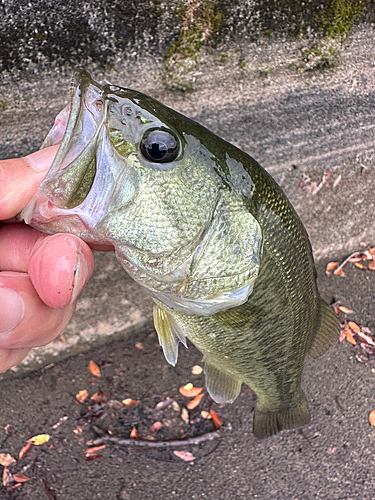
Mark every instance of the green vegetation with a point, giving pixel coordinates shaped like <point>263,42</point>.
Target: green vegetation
<point>2,105</point>
<point>340,16</point>
<point>198,21</point>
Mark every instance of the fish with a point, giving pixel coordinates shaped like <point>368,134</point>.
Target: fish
<point>204,229</point>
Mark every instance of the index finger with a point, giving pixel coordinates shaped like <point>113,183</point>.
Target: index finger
<point>20,178</point>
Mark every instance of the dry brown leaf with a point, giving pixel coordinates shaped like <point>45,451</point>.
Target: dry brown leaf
<point>331,265</point>
<point>81,396</point>
<point>95,456</point>
<point>371,418</point>
<point>139,345</point>
<point>7,476</point>
<point>99,397</point>
<point>342,335</point>
<point>94,369</point>
<point>189,391</point>
<point>185,415</point>
<point>196,370</point>
<point>366,338</point>
<point>40,439</point>
<point>176,407</point>
<point>216,419</point>
<point>338,271</point>
<point>336,309</point>
<point>20,478</point>
<point>6,460</point>
<point>348,335</point>
<point>156,426</point>
<point>194,402</point>
<point>371,266</point>
<point>94,449</point>
<point>359,265</point>
<point>345,310</point>
<point>24,450</point>
<point>130,402</point>
<point>78,430</point>
<point>150,438</point>
<point>354,326</point>
<point>205,414</point>
<point>186,456</point>
<point>134,433</point>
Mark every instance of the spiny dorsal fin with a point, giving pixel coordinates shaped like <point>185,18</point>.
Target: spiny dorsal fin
<point>169,334</point>
<point>221,385</point>
<point>328,332</point>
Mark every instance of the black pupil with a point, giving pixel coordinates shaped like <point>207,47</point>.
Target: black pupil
<point>157,150</point>
<point>159,146</point>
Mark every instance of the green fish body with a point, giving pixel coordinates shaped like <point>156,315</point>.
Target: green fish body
<point>205,229</point>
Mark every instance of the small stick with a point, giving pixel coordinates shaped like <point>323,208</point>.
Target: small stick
<point>209,436</point>
<point>355,254</point>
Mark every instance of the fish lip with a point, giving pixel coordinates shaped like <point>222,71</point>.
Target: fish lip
<point>79,87</point>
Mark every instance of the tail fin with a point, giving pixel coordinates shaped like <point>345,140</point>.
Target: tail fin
<point>328,332</point>
<point>267,423</point>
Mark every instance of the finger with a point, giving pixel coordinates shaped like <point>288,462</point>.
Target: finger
<point>20,178</point>
<point>59,266</point>
<point>11,357</point>
<point>25,320</point>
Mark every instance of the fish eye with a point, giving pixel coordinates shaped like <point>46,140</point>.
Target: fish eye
<point>159,146</point>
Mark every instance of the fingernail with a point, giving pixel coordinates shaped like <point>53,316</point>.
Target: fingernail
<point>41,160</point>
<point>81,274</point>
<point>12,307</point>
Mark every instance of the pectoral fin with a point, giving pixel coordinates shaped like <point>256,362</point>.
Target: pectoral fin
<point>221,385</point>
<point>169,333</point>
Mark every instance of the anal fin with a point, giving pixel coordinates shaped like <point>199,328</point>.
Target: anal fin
<point>328,332</point>
<point>169,334</point>
<point>221,385</point>
<point>267,423</point>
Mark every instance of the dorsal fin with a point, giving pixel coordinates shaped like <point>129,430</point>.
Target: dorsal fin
<point>328,332</point>
<point>169,334</point>
<point>221,385</point>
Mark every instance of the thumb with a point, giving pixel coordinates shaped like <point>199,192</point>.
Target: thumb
<point>20,178</point>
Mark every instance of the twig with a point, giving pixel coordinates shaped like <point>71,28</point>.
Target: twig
<point>355,254</point>
<point>209,436</point>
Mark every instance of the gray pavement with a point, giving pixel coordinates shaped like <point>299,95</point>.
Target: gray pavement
<point>314,131</point>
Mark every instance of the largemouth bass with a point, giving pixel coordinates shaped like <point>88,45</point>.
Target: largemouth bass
<point>205,229</point>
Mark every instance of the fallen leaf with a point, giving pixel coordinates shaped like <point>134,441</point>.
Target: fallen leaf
<point>205,414</point>
<point>134,433</point>
<point>7,429</point>
<point>216,419</point>
<point>93,457</point>
<point>78,430</point>
<point>99,397</point>
<point>150,438</point>
<point>345,310</point>
<point>331,265</point>
<point>360,266</point>
<point>186,456</point>
<point>371,266</point>
<point>94,369</point>
<point>185,415</point>
<point>189,391</point>
<point>164,404</point>
<point>130,402</point>
<point>40,439</point>
<point>371,418</point>
<point>94,449</point>
<point>353,260</point>
<point>61,420</point>
<point>139,345</point>
<point>156,426</point>
<point>337,271</point>
<point>7,476</point>
<point>349,337</point>
<point>196,370</point>
<point>6,460</point>
<point>194,402</point>
<point>176,407</point>
<point>342,336</point>
<point>366,338</point>
<point>354,326</point>
<point>24,450</point>
<point>81,396</point>
<point>20,478</point>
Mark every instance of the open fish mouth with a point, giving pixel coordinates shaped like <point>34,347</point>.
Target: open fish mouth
<point>71,176</point>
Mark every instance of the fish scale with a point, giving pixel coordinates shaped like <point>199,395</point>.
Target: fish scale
<point>205,230</point>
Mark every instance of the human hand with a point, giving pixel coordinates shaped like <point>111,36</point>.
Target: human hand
<point>40,275</point>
